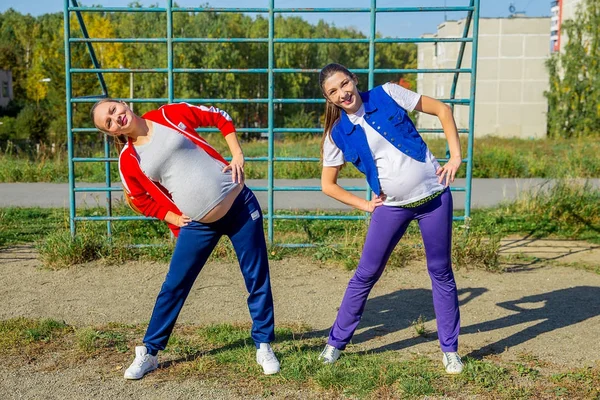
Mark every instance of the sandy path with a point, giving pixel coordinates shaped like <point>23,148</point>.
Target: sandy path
<point>550,312</point>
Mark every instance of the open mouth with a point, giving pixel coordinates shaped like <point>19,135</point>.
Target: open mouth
<point>348,100</point>
<point>124,121</point>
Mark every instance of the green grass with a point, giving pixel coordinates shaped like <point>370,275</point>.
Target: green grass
<point>564,211</point>
<point>493,158</point>
<point>224,355</point>
<point>20,333</point>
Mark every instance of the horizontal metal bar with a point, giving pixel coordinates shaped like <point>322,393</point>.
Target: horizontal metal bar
<point>307,188</point>
<point>239,129</point>
<point>259,100</point>
<point>323,217</point>
<point>377,9</point>
<point>286,217</point>
<point>97,189</point>
<point>117,70</point>
<point>254,188</point>
<point>128,100</point>
<point>296,245</point>
<point>118,9</point>
<point>264,159</point>
<point>276,10</point>
<point>122,218</point>
<point>424,40</point>
<point>312,70</point>
<point>117,40</point>
<point>276,40</point>
<point>263,70</point>
<point>439,130</point>
<point>94,159</point>
<point>220,40</point>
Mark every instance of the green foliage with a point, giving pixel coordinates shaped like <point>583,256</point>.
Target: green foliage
<point>301,119</point>
<point>574,94</point>
<point>28,225</point>
<point>32,48</point>
<point>91,341</point>
<point>7,128</point>
<point>18,332</point>
<point>32,123</point>
<point>493,158</point>
<point>419,326</point>
<point>474,250</point>
<point>567,210</point>
<point>229,361</point>
<point>483,374</point>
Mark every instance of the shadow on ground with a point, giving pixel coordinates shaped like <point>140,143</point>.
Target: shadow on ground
<point>549,311</point>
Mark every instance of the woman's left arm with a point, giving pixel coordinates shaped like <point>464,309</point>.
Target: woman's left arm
<point>435,107</point>
<point>237,158</point>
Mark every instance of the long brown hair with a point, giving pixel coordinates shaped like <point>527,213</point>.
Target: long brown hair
<point>332,112</point>
<point>120,141</point>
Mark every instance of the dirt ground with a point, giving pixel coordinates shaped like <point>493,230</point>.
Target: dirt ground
<point>539,308</point>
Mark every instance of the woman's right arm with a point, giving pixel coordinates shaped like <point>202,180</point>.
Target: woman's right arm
<point>330,187</point>
<point>177,220</point>
<point>141,201</point>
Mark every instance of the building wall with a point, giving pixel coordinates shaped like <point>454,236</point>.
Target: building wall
<point>511,76</point>
<point>561,10</point>
<point>6,89</point>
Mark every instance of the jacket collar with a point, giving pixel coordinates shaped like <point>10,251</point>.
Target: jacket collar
<point>345,123</point>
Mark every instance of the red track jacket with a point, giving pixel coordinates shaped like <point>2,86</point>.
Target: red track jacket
<point>148,196</point>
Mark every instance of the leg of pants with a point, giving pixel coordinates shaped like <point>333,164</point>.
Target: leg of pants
<point>195,243</point>
<point>387,226</point>
<point>435,222</point>
<point>244,226</point>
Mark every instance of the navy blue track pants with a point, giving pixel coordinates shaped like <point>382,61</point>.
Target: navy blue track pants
<point>243,224</point>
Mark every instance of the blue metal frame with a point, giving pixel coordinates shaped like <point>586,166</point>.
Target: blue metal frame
<point>472,18</point>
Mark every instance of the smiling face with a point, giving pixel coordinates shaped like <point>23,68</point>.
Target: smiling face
<point>114,118</point>
<point>340,89</point>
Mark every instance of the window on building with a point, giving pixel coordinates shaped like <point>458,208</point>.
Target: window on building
<point>5,93</point>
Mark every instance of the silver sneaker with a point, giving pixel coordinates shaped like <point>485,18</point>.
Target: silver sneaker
<point>267,359</point>
<point>142,364</point>
<point>330,354</point>
<point>452,362</point>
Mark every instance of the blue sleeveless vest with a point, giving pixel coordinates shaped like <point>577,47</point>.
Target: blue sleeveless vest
<point>387,118</point>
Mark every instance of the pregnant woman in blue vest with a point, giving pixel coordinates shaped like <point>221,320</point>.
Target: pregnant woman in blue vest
<point>373,131</point>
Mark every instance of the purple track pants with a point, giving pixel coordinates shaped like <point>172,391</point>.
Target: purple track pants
<point>387,226</point>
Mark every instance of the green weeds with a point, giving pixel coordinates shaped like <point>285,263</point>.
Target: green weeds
<point>493,158</point>
<point>224,355</point>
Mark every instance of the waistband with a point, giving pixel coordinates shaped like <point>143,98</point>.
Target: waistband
<point>424,200</point>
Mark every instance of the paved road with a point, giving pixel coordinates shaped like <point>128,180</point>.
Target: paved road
<point>486,193</point>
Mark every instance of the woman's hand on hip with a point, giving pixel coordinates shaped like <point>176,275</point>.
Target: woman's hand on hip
<point>183,220</point>
<point>236,166</point>
<point>375,202</point>
<point>447,173</point>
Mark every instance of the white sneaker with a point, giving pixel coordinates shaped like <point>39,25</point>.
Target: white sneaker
<point>267,359</point>
<point>452,362</point>
<point>142,364</point>
<point>330,354</point>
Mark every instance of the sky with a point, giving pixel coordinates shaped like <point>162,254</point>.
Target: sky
<point>388,24</point>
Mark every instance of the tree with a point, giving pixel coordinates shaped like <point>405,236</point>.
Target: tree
<point>574,94</point>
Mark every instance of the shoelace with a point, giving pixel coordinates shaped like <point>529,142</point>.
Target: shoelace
<point>453,358</point>
<point>328,353</point>
<point>269,355</point>
<point>141,360</point>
